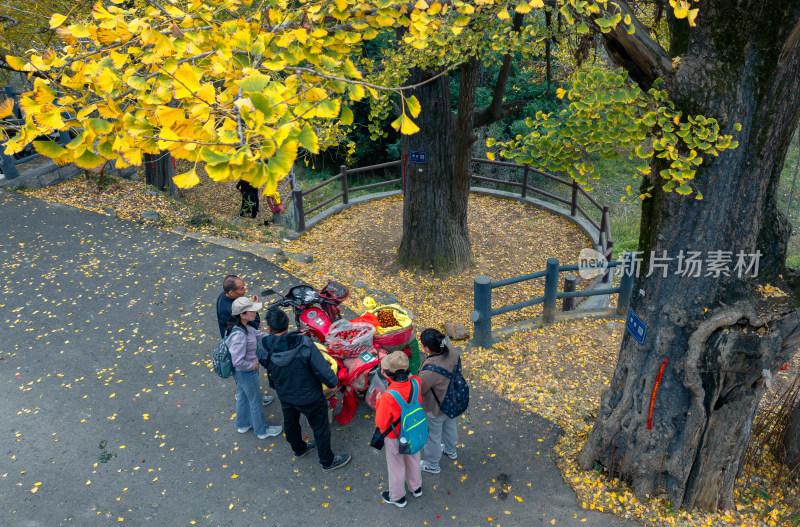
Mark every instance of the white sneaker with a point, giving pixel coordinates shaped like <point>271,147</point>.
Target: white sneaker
<point>243,430</point>
<point>451,455</point>
<point>267,399</point>
<point>430,468</point>
<point>271,432</point>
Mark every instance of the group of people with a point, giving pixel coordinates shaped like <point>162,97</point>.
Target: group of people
<point>299,373</point>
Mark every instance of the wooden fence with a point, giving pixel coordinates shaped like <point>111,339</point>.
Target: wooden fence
<point>579,202</point>
<point>9,163</point>
<point>298,194</point>
<point>576,192</point>
<point>482,313</point>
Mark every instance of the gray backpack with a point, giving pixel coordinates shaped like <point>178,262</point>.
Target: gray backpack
<point>221,358</point>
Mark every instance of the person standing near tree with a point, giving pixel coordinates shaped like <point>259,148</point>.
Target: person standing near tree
<point>249,198</point>
<point>403,469</point>
<point>234,287</point>
<point>442,430</point>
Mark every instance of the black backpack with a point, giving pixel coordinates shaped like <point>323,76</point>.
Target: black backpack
<point>456,399</point>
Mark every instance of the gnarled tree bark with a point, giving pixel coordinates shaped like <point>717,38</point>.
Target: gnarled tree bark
<point>435,234</point>
<point>720,342</point>
<point>159,171</point>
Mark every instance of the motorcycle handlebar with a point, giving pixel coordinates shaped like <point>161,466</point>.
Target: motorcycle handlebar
<point>279,303</point>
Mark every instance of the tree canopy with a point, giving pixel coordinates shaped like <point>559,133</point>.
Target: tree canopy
<point>244,86</point>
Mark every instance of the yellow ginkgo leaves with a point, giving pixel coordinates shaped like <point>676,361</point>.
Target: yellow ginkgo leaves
<point>682,9</point>
<point>187,179</point>
<point>6,108</point>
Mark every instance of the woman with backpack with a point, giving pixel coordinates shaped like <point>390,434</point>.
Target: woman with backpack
<point>403,468</point>
<point>242,342</point>
<point>442,430</point>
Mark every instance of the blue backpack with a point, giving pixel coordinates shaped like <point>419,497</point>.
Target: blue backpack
<point>413,423</point>
<point>456,399</point>
<point>221,358</point>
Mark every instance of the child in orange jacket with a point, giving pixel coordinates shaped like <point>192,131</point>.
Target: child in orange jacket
<point>402,468</point>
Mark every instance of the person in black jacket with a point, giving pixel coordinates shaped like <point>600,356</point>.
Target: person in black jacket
<point>297,371</point>
<point>249,199</point>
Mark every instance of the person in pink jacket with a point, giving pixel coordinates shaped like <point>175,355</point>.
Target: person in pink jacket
<point>242,343</point>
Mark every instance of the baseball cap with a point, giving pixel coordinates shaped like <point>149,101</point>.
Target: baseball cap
<point>240,305</point>
<point>395,361</point>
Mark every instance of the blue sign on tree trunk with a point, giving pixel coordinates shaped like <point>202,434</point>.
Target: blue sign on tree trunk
<point>636,327</point>
<point>417,156</point>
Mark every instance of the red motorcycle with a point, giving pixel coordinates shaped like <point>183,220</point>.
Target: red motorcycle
<point>314,311</point>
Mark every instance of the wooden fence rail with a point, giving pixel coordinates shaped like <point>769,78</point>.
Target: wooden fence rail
<point>482,313</point>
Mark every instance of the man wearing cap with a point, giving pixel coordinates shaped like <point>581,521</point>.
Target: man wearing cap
<point>403,469</point>
<point>242,343</point>
<point>297,371</point>
<point>234,287</point>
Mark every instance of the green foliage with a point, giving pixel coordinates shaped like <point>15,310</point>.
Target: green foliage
<point>607,113</point>
<point>105,455</point>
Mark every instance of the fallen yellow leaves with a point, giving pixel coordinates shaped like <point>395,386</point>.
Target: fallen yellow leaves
<point>559,372</point>
<point>367,237</point>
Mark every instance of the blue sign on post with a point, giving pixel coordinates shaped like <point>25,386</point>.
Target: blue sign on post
<point>417,156</point>
<point>636,327</point>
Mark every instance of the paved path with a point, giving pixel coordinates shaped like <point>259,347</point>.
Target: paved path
<point>107,331</point>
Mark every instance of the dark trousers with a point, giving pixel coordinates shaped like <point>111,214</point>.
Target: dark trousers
<point>317,415</point>
<point>249,204</point>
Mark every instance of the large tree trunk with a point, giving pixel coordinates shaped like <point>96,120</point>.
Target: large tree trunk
<point>435,234</point>
<point>159,171</point>
<point>788,447</point>
<point>721,345</point>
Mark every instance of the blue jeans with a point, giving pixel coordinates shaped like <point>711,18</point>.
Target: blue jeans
<point>248,401</point>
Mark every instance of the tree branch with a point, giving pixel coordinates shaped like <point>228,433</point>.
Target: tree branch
<point>497,110</point>
<point>11,21</point>
<point>643,58</point>
<point>790,45</point>
<point>484,117</point>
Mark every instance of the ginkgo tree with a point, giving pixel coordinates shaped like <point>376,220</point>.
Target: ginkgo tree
<point>244,86</point>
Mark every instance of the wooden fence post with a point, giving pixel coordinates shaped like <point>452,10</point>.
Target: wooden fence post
<point>345,197</point>
<point>609,255</point>
<point>574,207</point>
<point>297,210</point>
<point>604,226</point>
<point>525,181</point>
<point>481,316</point>
<point>9,168</point>
<point>550,291</point>
<point>569,287</point>
<point>626,284</point>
